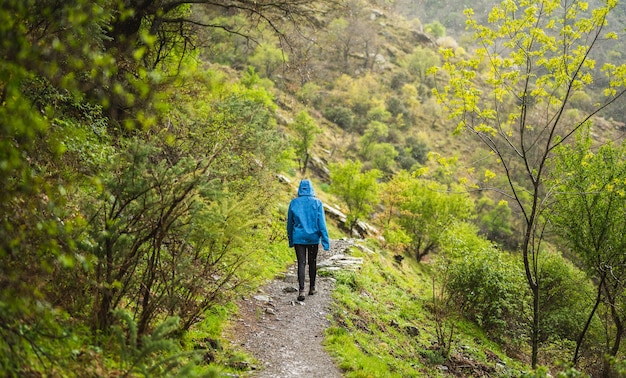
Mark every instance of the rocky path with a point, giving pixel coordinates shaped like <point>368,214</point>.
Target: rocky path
<point>285,335</point>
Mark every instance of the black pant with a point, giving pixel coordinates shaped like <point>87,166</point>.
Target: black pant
<point>301,253</point>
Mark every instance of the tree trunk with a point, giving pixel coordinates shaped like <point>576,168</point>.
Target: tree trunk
<point>619,329</point>
<point>305,164</point>
<point>104,290</point>
<point>533,283</point>
<point>419,255</point>
<point>588,323</point>
<point>123,32</point>
<point>146,303</point>
<point>535,329</point>
<point>103,315</point>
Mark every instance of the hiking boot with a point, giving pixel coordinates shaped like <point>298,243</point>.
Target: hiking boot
<point>312,290</point>
<point>301,295</point>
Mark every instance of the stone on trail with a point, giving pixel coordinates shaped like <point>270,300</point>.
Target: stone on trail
<point>341,261</point>
<point>263,298</point>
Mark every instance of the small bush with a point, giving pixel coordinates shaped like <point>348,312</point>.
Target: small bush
<point>340,115</point>
<point>489,289</point>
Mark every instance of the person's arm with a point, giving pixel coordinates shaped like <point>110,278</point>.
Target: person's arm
<point>290,226</point>
<point>321,220</point>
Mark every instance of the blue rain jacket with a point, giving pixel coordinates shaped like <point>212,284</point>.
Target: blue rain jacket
<point>306,222</point>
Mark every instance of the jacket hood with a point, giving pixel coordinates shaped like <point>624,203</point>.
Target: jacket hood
<point>306,188</point>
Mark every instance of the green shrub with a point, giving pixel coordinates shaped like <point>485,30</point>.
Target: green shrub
<point>340,115</point>
<point>418,149</point>
<point>565,298</point>
<point>155,355</point>
<point>488,287</point>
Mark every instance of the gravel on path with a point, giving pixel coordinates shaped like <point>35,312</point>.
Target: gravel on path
<point>285,335</point>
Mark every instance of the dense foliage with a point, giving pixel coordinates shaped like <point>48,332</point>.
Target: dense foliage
<point>140,143</point>
<point>134,181</point>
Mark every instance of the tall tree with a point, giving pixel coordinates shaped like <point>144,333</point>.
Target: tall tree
<point>426,210</point>
<point>514,94</point>
<point>170,22</point>
<point>358,189</point>
<point>306,130</point>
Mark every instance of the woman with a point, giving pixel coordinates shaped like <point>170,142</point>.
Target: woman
<point>306,226</point>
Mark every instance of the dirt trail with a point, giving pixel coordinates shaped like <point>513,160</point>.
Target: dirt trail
<point>284,335</point>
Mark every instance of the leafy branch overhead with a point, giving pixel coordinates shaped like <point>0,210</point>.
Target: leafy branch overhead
<point>171,23</point>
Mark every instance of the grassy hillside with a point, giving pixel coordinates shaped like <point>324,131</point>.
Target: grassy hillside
<point>388,322</point>
<point>142,150</point>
